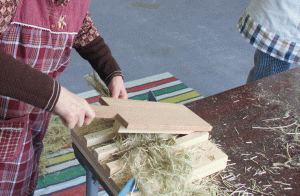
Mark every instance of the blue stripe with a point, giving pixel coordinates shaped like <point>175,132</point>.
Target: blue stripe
<point>289,52</point>
<point>272,45</point>
<point>256,32</point>
<point>245,23</point>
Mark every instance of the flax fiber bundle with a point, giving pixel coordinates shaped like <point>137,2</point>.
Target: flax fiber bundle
<point>158,167</point>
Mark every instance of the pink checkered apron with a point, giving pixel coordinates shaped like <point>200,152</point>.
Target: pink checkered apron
<point>41,35</point>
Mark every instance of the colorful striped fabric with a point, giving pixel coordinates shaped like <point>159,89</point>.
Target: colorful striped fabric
<point>66,176</point>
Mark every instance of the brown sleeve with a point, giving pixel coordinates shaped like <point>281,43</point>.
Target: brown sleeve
<point>20,81</point>
<point>99,56</point>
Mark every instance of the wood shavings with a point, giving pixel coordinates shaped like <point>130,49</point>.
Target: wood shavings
<point>279,182</point>
<point>236,130</point>
<point>262,155</point>
<point>273,128</point>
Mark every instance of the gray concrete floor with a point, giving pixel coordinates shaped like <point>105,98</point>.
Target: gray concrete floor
<point>196,41</point>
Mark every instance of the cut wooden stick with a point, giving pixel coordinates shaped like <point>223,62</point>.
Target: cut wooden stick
<point>192,139</point>
<point>208,161</point>
<point>105,152</point>
<point>101,136</point>
<point>114,166</point>
<point>101,171</point>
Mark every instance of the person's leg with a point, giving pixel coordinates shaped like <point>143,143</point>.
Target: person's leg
<point>266,65</point>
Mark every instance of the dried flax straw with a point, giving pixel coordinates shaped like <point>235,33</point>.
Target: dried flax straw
<point>158,167</point>
<point>95,81</point>
<point>57,137</point>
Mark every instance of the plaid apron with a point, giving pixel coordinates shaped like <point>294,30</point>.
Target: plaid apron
<point>41,35</point>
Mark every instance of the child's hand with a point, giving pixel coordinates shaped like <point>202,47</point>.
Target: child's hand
<point>73,110</point>
<point>117,88</point>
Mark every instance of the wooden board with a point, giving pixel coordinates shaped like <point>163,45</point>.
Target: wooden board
<point>150,117</point>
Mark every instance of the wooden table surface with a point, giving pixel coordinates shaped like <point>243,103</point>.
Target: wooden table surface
<point>256,126</point>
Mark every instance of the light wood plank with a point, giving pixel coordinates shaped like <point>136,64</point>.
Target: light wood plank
<point>105,152</point>
<point>192,139</point>
<point>137,115</point>
<point>210,160</point>
<point>125,130</point>
<point>101,136</point>
<point>115,166</point>
<point>95,164</point>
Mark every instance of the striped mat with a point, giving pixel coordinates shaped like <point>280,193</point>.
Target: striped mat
<point>66,176</point>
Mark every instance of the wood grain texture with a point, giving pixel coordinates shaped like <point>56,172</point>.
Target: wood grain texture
<point>136,115</point>
<point>210,160</point>
<point>115,166</point>
<point>101,171</point>
<point>101,136</point>
<point>192,139</point>
<point>124,130</point>
<point>105,152</point>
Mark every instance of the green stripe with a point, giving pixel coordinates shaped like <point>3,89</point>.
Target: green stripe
<point>161,92</point>
<point>60,176</point>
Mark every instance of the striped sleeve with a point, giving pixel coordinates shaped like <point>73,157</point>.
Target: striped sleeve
<point>22,82</point>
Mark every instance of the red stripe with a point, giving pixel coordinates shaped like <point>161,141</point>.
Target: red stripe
<point>152,84</point>
<point>75,191</point>
<point>137,88</point>
<point>93,99</point>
